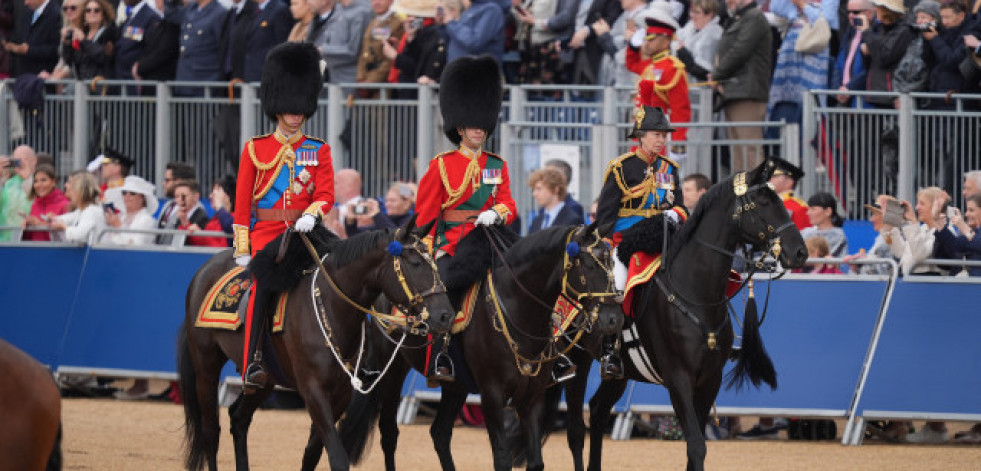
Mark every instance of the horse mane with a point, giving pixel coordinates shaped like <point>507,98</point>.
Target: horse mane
<point>345,252</point>
<point>720,193</point>
<point>530,247</point>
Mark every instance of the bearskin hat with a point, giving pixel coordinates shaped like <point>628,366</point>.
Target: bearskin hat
<point>470,95</point>
<point>291,80</point>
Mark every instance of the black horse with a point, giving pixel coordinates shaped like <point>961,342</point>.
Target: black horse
<point>681,317</point>
<point>321,309</point>
<point>509,347</point>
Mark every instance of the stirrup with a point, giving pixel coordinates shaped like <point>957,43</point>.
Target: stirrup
<point>255,378</point>
<point>564,369</point>
<point>442,373</point>
<point>611,367</point>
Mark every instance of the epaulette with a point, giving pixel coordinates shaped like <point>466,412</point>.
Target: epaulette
<point>491,154</point>
<point>672,162</point>
<point>261,136</point>
<point>315,139</point>
<point>441,154</point>
<point>677,63</point>
<point>615,163</point>
<point>799,201</point>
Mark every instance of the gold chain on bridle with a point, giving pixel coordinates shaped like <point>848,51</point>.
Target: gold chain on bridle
<point>550,352</point>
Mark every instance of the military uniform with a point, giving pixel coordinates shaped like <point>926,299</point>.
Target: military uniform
<point>663,82</point>
<point>200,36</point>
<point>283,181</point>
<point>797,209</point>
<point>457,187</point>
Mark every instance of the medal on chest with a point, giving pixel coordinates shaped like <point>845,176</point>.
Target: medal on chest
<point>491,176</point>
<point>658,73</point>
<point>306,155</point>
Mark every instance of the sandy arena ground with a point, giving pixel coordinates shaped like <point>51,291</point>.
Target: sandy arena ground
<point>105,434</point>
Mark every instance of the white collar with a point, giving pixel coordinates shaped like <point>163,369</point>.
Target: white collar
<point>40,9</point>
<point>552,213</point>
<point>135,10</point>
<point>262,5</point>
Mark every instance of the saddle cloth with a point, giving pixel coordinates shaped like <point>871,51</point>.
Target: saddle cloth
<point>219,310</point>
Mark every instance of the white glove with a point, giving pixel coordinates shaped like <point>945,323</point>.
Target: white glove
<point>487,218</point>
<point>637,39</point>
<point>673,216</point>
<point>243,260</point>
<point>306,223</point>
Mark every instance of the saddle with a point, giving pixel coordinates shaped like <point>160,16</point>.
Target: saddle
<point>221,307</point>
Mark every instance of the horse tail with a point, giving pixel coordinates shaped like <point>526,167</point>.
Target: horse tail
<point>362,412</point>
<point>194,449</point>
<point>752,362</point>
<point>516,443</point>
<point>54,459</point>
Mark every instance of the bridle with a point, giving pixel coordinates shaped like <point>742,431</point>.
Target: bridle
<point>581,300</point>
<point>414,312</point>
<point>415,302</point>
<point>745,210</point>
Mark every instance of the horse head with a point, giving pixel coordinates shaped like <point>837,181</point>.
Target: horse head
<point>588,278</point>
<point>412,281</point>
<point>763,220</point>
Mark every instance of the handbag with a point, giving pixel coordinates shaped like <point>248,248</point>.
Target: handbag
<point>813,37</point>
<point>970,67</point>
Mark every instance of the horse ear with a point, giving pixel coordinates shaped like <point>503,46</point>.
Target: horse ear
<point>409,228</point>
<point>762,172</point>
<point>423,230</point>
<point>605,230</point>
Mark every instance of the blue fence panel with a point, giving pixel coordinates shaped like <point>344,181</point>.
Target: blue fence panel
<point>928,359</point>
<point>38,286</point>
<point>132,308</point>
<point>817,333</point>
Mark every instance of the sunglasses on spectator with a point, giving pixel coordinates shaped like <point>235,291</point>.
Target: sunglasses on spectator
<point>69,8</point>
<point>93,10</point>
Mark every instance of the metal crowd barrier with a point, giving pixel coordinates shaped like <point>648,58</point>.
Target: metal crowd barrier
<point>859,153</point>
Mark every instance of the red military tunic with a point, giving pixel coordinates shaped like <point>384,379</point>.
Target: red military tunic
<point>797,209</point>
<point>279,180</point>
<point>298,179</point>
<point>664,84</point>
<point>460,180</point>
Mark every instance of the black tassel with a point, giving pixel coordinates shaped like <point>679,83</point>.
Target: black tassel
<point>753,362</point>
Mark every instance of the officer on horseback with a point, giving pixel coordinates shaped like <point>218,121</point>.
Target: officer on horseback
<point>285,179</point>
<point>640,190</point>
<point>467,187</point>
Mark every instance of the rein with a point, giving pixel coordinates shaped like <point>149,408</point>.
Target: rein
<point>744,207</point>
<point>549,353</point>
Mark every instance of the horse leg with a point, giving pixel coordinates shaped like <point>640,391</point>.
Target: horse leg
<point>313,450</point>
<point>391,396</point>
<point>575,395</point>
<point>240,414</point>
<point>531,415</point>
<point>684,407</point>
<point>600,406</point>
<point>441,430</point>
<point>494,417</point>
<point>317,397</point>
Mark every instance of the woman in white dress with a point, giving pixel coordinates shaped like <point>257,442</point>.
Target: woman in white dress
<point>82,190</point>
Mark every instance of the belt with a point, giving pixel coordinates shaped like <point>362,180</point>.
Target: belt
<point>287,215</point>
<point>459,215</point>
<point>627,212</point>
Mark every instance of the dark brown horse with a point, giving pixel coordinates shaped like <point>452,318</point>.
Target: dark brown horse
<point>320,345</point>
<point>506,353</point>
<point>681,319</point>
<point>30,404</point>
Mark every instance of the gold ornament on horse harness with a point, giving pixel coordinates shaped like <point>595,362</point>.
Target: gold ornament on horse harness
<point>739,184</point>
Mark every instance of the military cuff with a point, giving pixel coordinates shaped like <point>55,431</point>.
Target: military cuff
<point>502,210</point>
<point>316,210</point>
<point>241,241</point>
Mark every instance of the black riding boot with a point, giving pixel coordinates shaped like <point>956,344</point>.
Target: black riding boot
<point>255,374</point>
<point>611,366</point>
<point>440,365</point>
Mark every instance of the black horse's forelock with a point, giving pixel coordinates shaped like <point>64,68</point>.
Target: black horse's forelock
<point>345,252</point>
<point>719,194</point>
<point>530,247</point>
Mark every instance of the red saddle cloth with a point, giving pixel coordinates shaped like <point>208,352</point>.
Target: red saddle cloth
<point>642,268</point>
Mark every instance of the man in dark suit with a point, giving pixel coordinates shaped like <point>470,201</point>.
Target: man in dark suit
<point>131,42</point>
<point>235,31</point>
<point>587,51</point>
<point>566,170</point>
<point>34,47</point>
<point>158,58</point>
<point>270,27</point>
<point>548,187</point>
